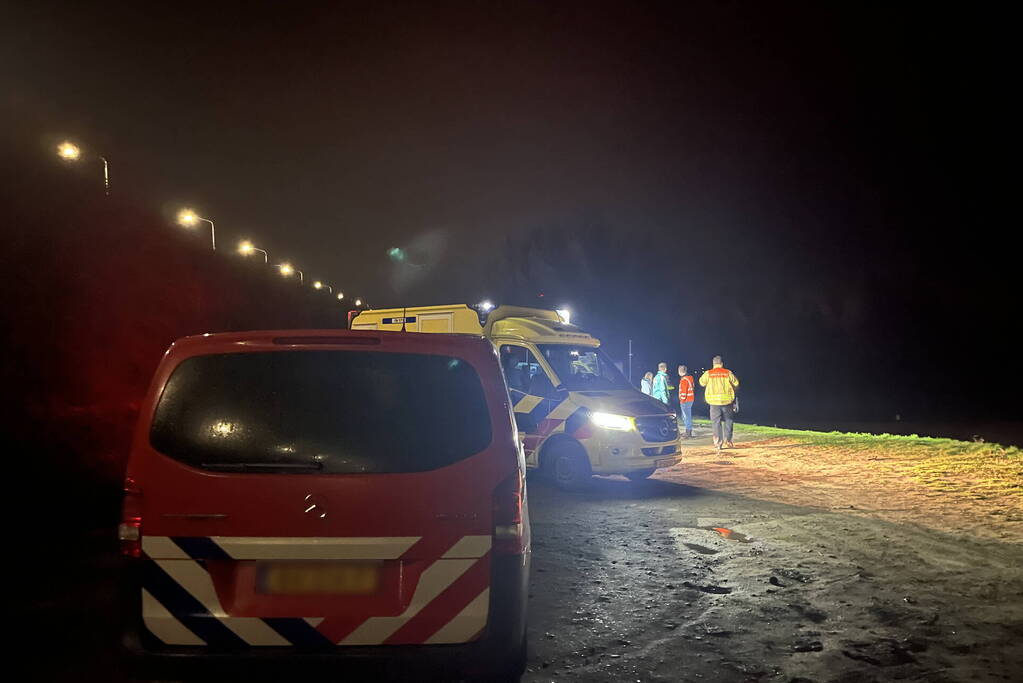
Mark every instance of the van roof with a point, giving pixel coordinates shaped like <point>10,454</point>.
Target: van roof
<point>538,325</point>
<point>223,342</point>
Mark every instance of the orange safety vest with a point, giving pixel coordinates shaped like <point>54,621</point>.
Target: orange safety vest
<point>686,389</point>
<point>720,383</point>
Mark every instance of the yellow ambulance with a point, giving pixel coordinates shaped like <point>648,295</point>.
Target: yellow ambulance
<point>578,413</point>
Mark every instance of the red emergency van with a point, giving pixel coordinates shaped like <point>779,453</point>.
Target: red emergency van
<point>327,496</point>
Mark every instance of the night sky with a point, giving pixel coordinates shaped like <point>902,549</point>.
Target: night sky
<point>812,191</point>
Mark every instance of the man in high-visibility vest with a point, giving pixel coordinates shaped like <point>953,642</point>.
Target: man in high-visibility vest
<point>686,396</point>
<point>720,396</point>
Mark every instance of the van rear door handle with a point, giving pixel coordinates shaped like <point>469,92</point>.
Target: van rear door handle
<point>194,515</point>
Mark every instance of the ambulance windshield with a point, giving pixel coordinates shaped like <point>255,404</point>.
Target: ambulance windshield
<point>583,368</point>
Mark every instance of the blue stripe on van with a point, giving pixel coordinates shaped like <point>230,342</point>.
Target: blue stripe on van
<point>200,548</point>
<point>298,632</point>
<point>186,608</point>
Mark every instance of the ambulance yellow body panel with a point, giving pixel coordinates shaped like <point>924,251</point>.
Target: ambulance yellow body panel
<point>578,414</point>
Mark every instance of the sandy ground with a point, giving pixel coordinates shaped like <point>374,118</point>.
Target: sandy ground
<point>762,563</point>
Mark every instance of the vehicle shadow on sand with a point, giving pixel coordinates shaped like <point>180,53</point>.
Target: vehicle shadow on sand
<point>616,487</point>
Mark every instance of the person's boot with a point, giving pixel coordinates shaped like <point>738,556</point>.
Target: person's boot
<point>689,433</point>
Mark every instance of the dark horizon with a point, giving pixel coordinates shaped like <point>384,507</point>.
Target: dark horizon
<point>804,190</point>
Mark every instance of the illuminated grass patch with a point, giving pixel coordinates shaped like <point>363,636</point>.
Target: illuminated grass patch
<point>976,469</point>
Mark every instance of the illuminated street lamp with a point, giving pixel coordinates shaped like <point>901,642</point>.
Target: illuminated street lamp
<point>564,314</point>
<point>247,248</point>
<point>340,296</point>
<point>320,285</point>
<point>358,302</point>
<point>486,306</point>
<point>68,151</point>
<point>189,218</point>
<point>287,269</point>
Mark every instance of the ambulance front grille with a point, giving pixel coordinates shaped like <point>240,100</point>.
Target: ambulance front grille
<point>660,450</point>
<point>657,428</point>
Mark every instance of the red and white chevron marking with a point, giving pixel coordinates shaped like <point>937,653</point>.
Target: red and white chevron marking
<point>450,603</point>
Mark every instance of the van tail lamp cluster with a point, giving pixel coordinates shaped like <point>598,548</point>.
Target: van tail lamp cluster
<point>129,531</point>
<point>508,531</point>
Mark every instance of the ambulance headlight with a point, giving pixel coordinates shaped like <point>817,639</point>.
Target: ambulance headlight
<point>620,423</point>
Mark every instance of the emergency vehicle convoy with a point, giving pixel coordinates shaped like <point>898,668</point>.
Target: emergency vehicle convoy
<point>579,414</point>
<point>288,497</point>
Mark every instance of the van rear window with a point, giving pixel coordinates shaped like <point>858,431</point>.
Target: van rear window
<point>321,412</point>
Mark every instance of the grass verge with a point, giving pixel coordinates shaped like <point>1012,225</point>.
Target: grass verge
<point>976,468</point>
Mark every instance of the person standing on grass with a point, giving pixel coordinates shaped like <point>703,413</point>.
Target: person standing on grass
<point>720,396</point>
<point>646,385</point>
<point>660,391</point>
<point>686,396</point>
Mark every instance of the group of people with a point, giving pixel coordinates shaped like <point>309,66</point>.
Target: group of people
<point>719,385</point>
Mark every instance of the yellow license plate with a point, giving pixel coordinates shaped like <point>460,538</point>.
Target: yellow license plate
<point>318,578</point>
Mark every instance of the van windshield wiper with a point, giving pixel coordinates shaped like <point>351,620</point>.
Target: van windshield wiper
<point>261,466</point>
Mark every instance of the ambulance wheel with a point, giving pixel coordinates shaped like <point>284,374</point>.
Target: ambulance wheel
<point>567,465</point>
<point>639,475</point>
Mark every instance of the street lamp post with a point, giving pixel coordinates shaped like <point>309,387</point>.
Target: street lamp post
<point>69,151</point>
<point>320,285</point>
<point>287,269</point>
<point>247,248</point>
<point>188,218</point>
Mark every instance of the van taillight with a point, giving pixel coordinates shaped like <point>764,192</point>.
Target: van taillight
<point>508,515</point>
<point>129,531</point>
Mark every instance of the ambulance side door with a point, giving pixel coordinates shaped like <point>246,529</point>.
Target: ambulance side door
<point>532,395</point>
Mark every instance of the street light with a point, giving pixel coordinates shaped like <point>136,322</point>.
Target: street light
<point>320,285</point>
<point>287,269</point>
<point>358,302</point>
<point>68,151</point>
<point>340,296</point>
<point>486,306</point>
<point>564,314</point>
<point>189,218</point>
<point>246,248</point>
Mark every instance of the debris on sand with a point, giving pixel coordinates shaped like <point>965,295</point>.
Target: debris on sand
<point>793,574</point>
<point>729,534</point>
<point>718,590</point>
<point>883,652</point>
